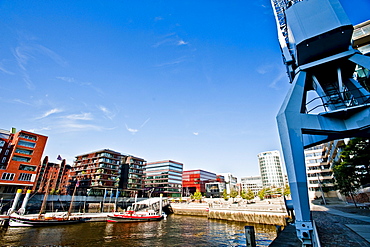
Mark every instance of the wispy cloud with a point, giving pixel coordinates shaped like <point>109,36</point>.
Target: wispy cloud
<point>21,101</point>
<point>107,113</point>
<point>278,78</point>
<point>176,61</point>
<point>170,39</point>
<point>67,79</point>
<point>85,127</point>
<point>87,84</point>
<point>39,130</point>
<point>50,112</point>
<point>2,68</point>
<point>133,131</point>
<point>24,53</point>
<point>82,116</point>
<point>195,133</point>
<point>271,69</point>
<point>181,42</point>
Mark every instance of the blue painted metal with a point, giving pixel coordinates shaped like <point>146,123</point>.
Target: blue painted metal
<point>315,36</point>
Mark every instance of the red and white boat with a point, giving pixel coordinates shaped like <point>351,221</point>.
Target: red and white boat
<point>133,216</point>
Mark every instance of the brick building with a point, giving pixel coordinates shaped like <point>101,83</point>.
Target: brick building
<point>52,177</point>
<point>20,156</point>
<point>107,170</point>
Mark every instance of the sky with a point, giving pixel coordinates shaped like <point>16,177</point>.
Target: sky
<point>197,82</point>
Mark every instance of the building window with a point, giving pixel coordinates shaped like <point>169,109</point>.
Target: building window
<point>22,159</point>
<point>29,137</point>
<point>25,177</point>
<point>7,176</point>
<point>2,143</point>
<point>26,144</point>
<point>23,151</point>
<point>4,159</point>
<point>27,168</point>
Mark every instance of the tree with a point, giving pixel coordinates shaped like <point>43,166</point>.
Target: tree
<point>233,193</point>
<point>346,180</point>
<point>268,192</point>
<point>286,190</point>
<point>249,195</point>
<point>261,194</point>
<point>357,155</point>
<point>353,168</point>
<point>197,195</point>
<point>225,195</point>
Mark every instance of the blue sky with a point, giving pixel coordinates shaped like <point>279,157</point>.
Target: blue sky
<point>198,82</point>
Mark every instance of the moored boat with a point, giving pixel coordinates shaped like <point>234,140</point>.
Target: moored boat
<point>133,216</point>
<point>47,220</point>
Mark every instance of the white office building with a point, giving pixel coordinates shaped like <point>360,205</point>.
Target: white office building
<point>254,183</point>
<point>231,182</point>
<point>270,168</point>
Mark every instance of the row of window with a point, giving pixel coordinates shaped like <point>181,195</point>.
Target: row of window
<point>22,176</point>
<point>29,137</point>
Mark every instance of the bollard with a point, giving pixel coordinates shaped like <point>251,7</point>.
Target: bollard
<point>250,236</point>
<point>22,210</point>
<point>15,202</point>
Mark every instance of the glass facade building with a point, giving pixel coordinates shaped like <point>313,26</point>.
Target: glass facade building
<point>195,180</point>
<point>163,177</point>
<point>270,168</point>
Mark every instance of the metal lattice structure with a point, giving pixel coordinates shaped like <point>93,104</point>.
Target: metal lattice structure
<point>315,40</point>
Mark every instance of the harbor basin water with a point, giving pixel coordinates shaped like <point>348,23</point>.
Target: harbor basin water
<point>176,230</point>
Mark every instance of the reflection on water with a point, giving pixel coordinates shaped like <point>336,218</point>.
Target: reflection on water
<point>175,231</point>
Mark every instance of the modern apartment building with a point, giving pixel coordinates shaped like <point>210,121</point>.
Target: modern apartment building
<point>270,168</point>
<point>132,175</point>
<point>195,180</point>
<point>319,162</point>
<point>96,170</point>
<point>20,156</point>
<point>163,177</point>
<point>254,183</point>
<point>107,169</point>
<point>52,178</point>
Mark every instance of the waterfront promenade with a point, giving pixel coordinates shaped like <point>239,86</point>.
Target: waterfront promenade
<point>338,225</point>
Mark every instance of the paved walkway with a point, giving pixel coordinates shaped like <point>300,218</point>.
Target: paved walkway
<point>361,227</point>
<point>337,225</point>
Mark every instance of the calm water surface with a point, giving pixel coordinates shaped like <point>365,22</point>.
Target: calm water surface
<point>174,231</point>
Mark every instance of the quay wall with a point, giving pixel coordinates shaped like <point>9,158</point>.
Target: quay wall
<point>241,214</point>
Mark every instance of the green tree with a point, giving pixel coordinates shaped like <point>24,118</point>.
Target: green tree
<point>346,179</point>
<point>279,191</point>
<point>286,190</point>
<point>197,195</point>
<point>225,195</point>
<point>261,194</point>
<point>353,168</point>
<point>249,195</point>
<point>268,192</point>
<point>233,193</point>
<point>356,154</point>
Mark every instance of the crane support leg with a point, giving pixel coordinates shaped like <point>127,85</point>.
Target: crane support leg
<point>291,137</point>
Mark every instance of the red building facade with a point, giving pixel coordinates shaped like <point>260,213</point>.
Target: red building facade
<point>52,178</point>
<point>195,180</point>
<point>20,156</point>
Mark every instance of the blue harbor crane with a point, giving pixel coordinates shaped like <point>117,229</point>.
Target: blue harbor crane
<point>327,100</point>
